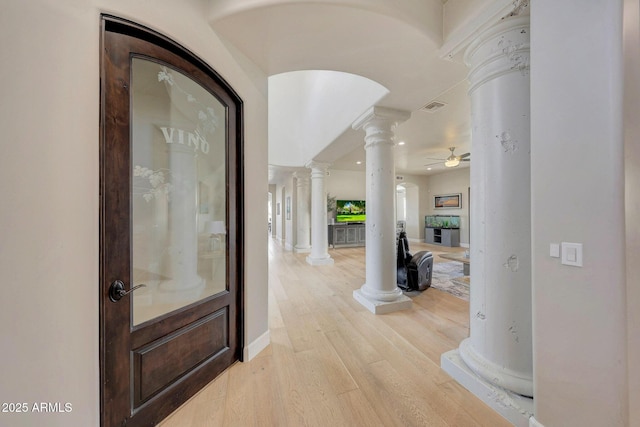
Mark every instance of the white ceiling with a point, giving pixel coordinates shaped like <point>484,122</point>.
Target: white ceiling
<point>395,43</point>
<point>310,109</point>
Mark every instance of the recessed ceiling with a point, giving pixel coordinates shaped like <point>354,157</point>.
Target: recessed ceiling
<point>394,43</point>
<point>309,109</point>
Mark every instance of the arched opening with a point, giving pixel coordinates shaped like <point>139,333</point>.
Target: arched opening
<point>408,209</point>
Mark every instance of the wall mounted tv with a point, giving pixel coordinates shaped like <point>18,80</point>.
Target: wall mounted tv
<point>350,211</point>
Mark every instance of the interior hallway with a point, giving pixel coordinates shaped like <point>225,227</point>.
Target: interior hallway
<point>332,362</point>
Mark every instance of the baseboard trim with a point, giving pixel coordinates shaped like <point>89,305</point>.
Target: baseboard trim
<point>253,349</point>
<point>464,245</point>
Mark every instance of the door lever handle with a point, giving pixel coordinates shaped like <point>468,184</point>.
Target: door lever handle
<point>117,291</point>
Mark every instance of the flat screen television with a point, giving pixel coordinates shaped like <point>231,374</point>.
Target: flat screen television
<point>350,211</point>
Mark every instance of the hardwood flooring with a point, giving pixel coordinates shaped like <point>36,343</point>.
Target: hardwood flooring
<point>333,363</point>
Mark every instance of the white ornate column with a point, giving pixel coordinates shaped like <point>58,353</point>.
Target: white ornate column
<point>498,351</point>
<point>380,294</point>
<point>182,253</point>
<point>303,216</point>
<point>319,230</point>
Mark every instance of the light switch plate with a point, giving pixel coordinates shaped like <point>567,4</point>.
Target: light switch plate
<point>572,254</point>
<point>554,250</point>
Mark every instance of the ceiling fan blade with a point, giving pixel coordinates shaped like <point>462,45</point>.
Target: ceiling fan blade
<point>436,163</point>
<point>465,160</point>
<point>462,156</point>
<point>432,158</point>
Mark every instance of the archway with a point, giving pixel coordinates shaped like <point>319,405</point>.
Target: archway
<point>408,209</point>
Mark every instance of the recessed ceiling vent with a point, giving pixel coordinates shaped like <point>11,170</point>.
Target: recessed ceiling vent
<point>433,106</point>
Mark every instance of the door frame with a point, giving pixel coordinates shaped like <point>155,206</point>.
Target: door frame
<point>115,205</point>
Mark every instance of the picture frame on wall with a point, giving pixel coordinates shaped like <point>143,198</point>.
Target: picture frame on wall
<point>447,201</point>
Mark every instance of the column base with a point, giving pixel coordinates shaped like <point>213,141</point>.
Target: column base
<point>319,261</point>
<point>493,373</point>
<point>170,291</point>
<point>403,302</point>
<point>302,249</point>
<point>534,423</point>
<point>515,408</point>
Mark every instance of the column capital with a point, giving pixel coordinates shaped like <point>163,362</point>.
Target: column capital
<point>381,117</point>
<point>301,175</point>
<point>477,21</point>
<point>319,166</point>
<point>499,50</point>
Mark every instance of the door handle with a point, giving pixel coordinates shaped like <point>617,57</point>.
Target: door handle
<point>116,290</point>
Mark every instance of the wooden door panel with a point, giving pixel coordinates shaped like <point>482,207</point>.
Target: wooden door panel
<point>161,326</point>
<point>151,365</point>
<point>163,361</point>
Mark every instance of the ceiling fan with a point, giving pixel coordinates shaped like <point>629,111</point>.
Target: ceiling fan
<point>453,160</point>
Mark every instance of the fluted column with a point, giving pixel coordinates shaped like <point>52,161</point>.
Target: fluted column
<point>319,230</point>
<point>380,294</point>
<point>303,216</point>
<point>499,348</point>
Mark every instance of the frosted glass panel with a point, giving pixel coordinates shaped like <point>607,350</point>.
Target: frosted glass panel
<point>178,191</point>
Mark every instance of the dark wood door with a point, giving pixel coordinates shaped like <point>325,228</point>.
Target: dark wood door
<point>170,225</point>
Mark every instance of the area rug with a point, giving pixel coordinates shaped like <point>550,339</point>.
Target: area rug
<point>448,277</point>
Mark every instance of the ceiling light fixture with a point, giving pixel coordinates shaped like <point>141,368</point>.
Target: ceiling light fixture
<point>358,162</point>
<point>401,143</point>
<point>452,162</point>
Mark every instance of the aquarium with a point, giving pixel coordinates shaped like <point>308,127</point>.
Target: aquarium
<point>442,221</point>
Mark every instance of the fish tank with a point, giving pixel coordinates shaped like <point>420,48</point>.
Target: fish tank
<point>442,221</point>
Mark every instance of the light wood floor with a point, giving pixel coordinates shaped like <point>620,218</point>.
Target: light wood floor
<point>333,363</point>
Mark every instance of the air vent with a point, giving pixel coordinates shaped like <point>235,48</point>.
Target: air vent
<point>433,106</point>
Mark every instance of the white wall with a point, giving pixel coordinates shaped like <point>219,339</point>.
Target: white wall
<point>417,206</point>
<point>414,221</point>
<point>580,375</point>
<point>49,172</point>
<point>345,185</point>
<point>451,182</point>
<point>632,199</point>
<point>401,203</point>
<point>458,14</point>
<point>352,185</point>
